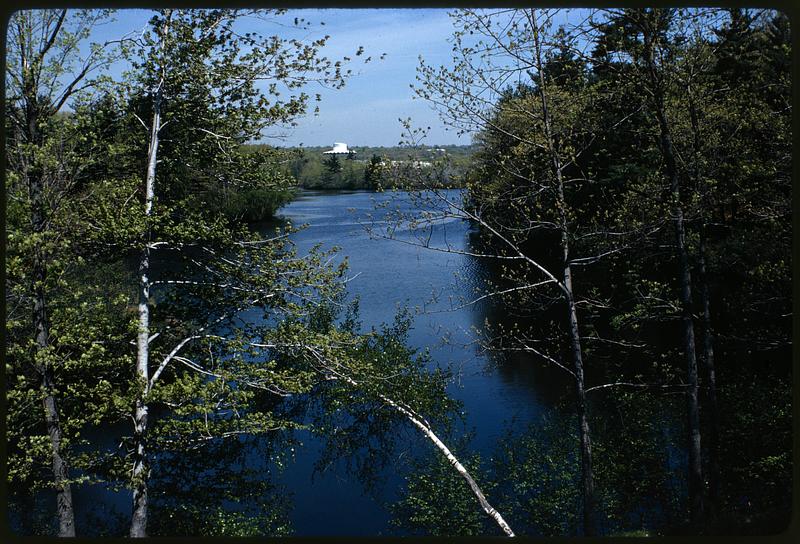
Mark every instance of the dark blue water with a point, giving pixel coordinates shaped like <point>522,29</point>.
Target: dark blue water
<point>387,274</point>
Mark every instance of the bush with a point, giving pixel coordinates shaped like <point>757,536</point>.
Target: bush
<point>251,205</point>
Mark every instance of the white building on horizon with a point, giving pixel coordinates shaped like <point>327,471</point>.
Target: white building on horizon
<point>339,148</point>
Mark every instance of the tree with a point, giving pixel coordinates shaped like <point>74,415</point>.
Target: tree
<point>670,59</point>
<point>716,113</point>
<point>186,57</point>
<point>42,47</point>
<point>333,169</point>
<point>653,25</point>
<point>534,139</point>
<point>373,171</point>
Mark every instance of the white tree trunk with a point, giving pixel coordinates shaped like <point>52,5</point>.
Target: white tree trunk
<point>476,490</point>
<point>140,471</point>
<point>428,432</point>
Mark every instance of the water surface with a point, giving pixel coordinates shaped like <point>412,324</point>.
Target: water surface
<point>387,274</point>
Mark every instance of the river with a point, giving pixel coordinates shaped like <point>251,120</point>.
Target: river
<point>387,274</point>
<point>496,396</point>
<point>638,438</point>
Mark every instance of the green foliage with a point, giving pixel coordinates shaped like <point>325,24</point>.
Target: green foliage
<point>90,327</point>
<point>227,382</point>
<point>638,471</point>
<point>537,475</point>
<point>359,172</point>
<point>756,446</point>
<point>604,136</point>
<point>254,186</point>
<point>254,205</point>
<point>438,502</point>
<point>373,171</point>
<point>332,165</point>
<point>235,497</point>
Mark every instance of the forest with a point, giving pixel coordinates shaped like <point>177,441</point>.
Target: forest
<point>368,167</point>
<point>175,340</point>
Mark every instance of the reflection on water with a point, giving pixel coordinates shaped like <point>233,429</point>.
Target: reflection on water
<point>389,274</point>
<point>495,391</point>
<point>639,440</point>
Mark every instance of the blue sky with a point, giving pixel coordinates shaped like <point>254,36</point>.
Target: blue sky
<point>366,111</point>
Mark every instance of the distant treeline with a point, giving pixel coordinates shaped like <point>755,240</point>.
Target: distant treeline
<point>368,167</point>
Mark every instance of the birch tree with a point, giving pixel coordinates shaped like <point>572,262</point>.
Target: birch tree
<point>183,56</point>
<point>517,81</point>
<point>374,373</point>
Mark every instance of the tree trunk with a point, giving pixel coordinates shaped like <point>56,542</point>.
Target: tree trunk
<point>587,473</point>
<point>708,338</point>
<point>708,359</point>
<point>695,482</point>
<point>64,507</point>
<point>140,473</point>
<point>589,527</point>
<point>452,459</point>
<point>140,470</point>
<point>656,88</point>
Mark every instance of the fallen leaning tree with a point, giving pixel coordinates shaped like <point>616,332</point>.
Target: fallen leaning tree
<point>331,370</point>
